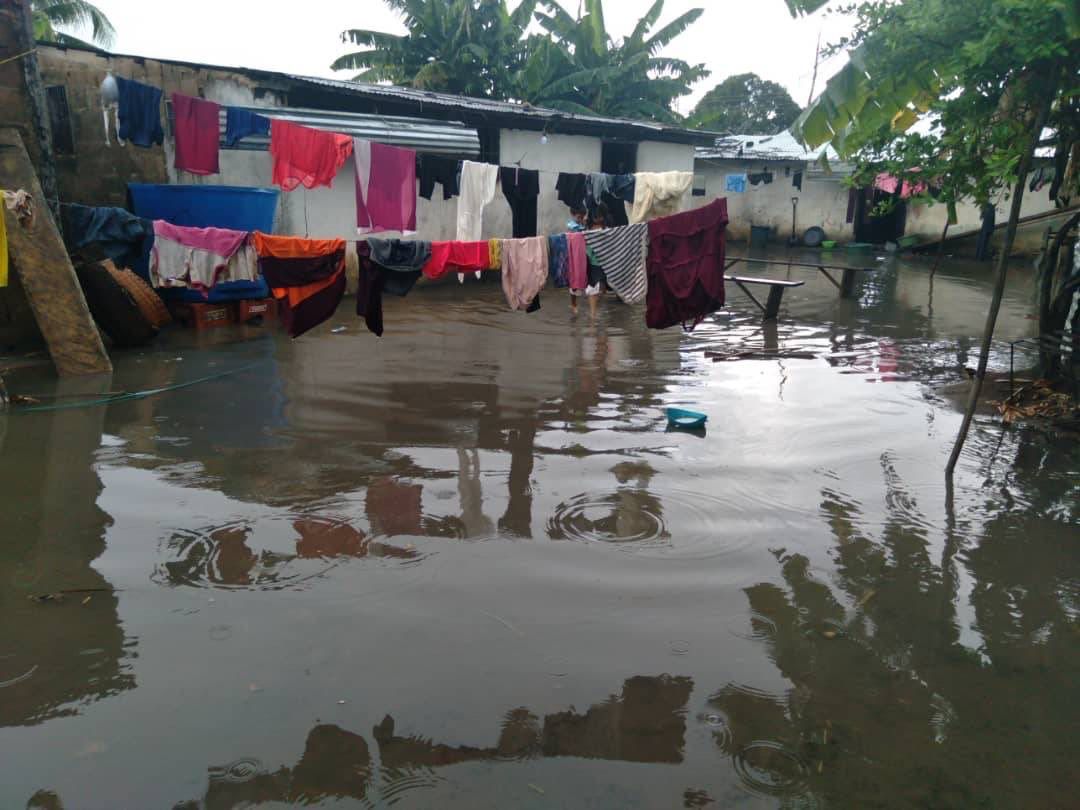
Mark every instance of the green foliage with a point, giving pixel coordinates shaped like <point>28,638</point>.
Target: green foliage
<point>480,48</point>
<point>746,104</point>
<point>469,47</point>
<point>51,15</point>
<point>975,73</point>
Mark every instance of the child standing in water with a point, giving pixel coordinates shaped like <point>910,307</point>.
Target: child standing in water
<point>597,221</point>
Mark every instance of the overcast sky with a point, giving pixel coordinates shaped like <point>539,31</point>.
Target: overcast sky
<point>733,36</point>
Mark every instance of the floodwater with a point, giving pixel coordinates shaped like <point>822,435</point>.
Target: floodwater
<point>468,565</point>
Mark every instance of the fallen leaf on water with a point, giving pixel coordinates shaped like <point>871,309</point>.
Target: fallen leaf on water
<point>86,600</point>
<point>866,597</point>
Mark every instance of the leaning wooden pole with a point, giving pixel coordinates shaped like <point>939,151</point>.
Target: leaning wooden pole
<point>39,112</point>
<point>1023,170</point>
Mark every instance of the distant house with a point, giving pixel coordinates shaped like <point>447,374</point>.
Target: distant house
<point>824,200</point>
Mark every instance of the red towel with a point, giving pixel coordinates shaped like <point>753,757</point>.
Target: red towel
<point>197,126</point>
<point>306,156</point>
<point>686,266</point>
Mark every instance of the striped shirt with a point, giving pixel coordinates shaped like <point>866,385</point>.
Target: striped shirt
<point>622,252</point>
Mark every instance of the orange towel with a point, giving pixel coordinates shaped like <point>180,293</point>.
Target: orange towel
<point>294,247</point>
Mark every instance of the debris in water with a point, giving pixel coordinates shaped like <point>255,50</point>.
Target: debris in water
<point>87,600</point>
<point>337,330</point>
<point>537,789</point>
<point>829,634</point>
<point>46,597</point>
<point>866,597</point>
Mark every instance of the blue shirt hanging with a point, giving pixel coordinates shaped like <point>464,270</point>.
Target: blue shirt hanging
<point>139,113</point>
<point>239,123</point>
<point>735,183</point>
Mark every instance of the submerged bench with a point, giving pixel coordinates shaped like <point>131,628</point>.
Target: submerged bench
<point>777,288</point>
<point>846,285</point>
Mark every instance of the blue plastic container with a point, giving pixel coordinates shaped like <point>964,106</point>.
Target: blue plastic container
<point>686,420</point>
<point>238,208</point>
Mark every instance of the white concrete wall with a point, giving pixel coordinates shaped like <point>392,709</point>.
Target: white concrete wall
<point>822,201</point>
<point>654,156</point>
<point>331,212</point>
<point>562,153</point>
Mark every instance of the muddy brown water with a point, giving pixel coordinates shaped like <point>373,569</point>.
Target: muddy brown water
<point>468,565</point>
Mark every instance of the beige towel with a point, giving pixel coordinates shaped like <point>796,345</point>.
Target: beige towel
<point>659,194</point>
<point>525,269</point>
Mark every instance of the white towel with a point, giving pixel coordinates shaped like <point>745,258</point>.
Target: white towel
<point>659,194</point>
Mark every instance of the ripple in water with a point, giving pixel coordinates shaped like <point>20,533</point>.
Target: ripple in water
<point>767,768</point>
<point>641,520</point>
<point>243,770</point>
<point>272,553</point>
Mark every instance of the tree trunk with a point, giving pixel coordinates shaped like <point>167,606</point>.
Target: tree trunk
<point>1002,272</point>
<point>1049,272</point>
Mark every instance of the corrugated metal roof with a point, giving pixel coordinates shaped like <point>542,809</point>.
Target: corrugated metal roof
<point>762,147</point>
<point>421,134</point>
<point>447,101</point>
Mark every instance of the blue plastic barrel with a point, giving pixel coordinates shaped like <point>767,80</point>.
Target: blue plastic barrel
<point>239,208</point>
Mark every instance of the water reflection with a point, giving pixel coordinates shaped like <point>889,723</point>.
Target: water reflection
<point>887,699</point>
<point>59,655</point>
<point>644,723</point>
<point>289,551</point>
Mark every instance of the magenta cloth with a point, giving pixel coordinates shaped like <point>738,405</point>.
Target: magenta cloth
<point>579,261</point>
<point>686,266</point>
<point>887,183</point>
<point>197,127</point>
<point>220,241</point>
<point>387,200</point>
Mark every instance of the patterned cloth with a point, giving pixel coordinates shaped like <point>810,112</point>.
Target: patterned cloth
<point>495,254</point>
<point>621,252</point>
<point>559,260</point>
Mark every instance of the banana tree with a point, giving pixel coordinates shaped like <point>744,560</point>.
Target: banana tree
<point>470,47</point>
<point>582,69</point>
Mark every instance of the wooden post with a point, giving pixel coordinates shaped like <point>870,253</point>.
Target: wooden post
<point>999,287</point>
<point>39,110</point>
<point>38,255</point>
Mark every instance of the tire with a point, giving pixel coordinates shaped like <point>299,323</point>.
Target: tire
<point>114,308</point>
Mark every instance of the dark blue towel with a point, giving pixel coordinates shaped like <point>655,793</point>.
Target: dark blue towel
<point>121,236</point>
<point>240,123</point>
<point>140,113</point>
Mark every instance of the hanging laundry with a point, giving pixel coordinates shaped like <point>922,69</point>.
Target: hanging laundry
<point>119,234</point>
<point>796,181</point>
<point>241,123</point>
<point>597,184</point>
<point>735,183</point>
<point>686,266</point>
<point>521,187</point>
<point>449,257</point>
<point>385,187</point>
<point>559,260</point>
<point>495,254</point>
<point>525,271</point>
<point>307,276</point>
<point>306,156</point>
<point>386,265</point>
<point>621,254</point>
<point>438,169</point>
<point>196,125</point>
<point>200,257</point>
<point>139,113</point>
<point>571,189</point>
<point>659,194</point>
<point>759,178</point>
<point>3,249</point>
<point>478,181</point>
<point>578,261</point>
